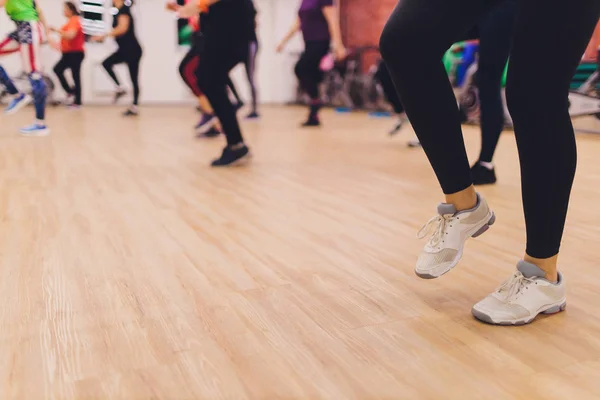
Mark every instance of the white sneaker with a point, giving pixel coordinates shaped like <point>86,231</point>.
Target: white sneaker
<point>452,229</point>
<point>522,297</point>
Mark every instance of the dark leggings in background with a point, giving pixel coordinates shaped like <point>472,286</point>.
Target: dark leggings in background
<point>132,58</point>
<point>216,61</point>
<point>234,91</point>
<point>187,70</point>
<point>73,62</point>
<point>308,68</point>
<point>384,78</point>
<point>413,43</point>
<point>495,31</point>
<point>250,64</point>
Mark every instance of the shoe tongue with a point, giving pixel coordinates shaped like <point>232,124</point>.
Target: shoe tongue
<point>530,270</point>
<point>446,209</point>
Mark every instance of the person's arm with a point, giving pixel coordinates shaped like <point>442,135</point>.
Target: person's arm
<point>123,22</point>
<point>43,21</point>
<point>69,35</point>
<point>2,3</point>
<point>293,29</point>
<point>41,17</point>
<point>333,21</point>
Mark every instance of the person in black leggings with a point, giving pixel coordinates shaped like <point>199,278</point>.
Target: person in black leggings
<point>318,22</point>
<point>412,43</point>
<point>223,45</point>
<point>72,48</point>
<point>208,124</point>
<point>129,52</point>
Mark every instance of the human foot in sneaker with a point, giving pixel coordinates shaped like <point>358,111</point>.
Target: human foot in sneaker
<point>234,155</point>
<point>17,103</point>
<point>38,128</point>
<point>206,123</point>
<point>451,229</point>
<point>522,297</point>
<point>483,173</point>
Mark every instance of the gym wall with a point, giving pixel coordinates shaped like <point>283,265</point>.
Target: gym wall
<point>362,23</point>
<point>157,31</point>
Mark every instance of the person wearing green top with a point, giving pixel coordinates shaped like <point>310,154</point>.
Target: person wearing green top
<point>27,39</point>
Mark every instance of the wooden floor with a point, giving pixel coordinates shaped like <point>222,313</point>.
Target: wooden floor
<point>131,270</point>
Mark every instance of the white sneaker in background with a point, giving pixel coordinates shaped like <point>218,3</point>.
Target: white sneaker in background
<point>451,229</point>
<point>522,297</point>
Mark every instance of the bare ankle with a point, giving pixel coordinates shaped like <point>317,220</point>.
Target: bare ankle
<point>548,265</point>
<point>463,200</point>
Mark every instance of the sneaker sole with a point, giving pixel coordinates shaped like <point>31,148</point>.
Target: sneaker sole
<point>36,134</point>
<point>547,310</point>
<point>478,231</point>
<point>240,162</point>
<point>26,101</point>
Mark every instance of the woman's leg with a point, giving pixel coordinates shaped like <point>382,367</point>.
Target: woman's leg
<point>133,64</point>
<point>108,64</point>
<point>239,103</point>
<point>250,64</point>
<point>59,71</point>
<point>310,75</point>
<point>76,72</point>
<point>413,43</point>
<point>384,78</point>
<point>216,60</point>
<point>539,105</point>
<point>495,30</point>
<point>7,82</point>
<point>187,70</point>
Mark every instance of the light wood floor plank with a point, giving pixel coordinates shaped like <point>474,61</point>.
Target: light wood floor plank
<point>131,270</point>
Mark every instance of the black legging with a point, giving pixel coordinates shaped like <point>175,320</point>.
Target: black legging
<point>187,70</point>
<point>495,37</point>
<point>73,62</point>
<point>308,68</point>
<point>250,64</point>
<point>384,78</point>
<point>413,43</point>
<point>217,59</point>
<point>132,58</point>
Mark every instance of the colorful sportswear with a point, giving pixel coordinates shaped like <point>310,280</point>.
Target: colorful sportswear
<point>22,10</point>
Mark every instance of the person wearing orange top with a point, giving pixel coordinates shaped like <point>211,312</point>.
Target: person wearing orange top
<point>72,48</point>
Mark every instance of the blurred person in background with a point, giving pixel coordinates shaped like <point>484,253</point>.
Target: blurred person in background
<point>224,44</point>
<point>129,52</point>
<point>319,22</point>
<point>72,41</point>
<point>27,38</point>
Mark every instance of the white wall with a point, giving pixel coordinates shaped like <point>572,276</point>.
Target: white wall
<point>160,81</point>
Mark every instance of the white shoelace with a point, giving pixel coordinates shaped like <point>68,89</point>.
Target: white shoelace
<point>438,231</point>
<point>513,286</point>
